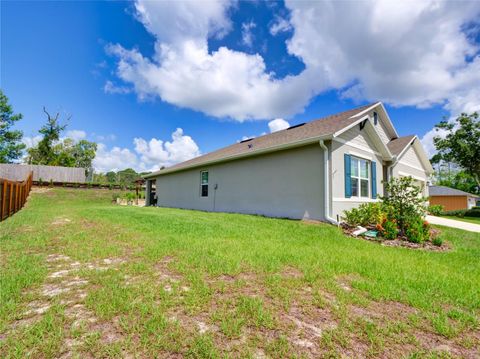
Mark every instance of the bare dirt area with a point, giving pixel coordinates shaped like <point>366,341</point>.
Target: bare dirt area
<point>65,287</point>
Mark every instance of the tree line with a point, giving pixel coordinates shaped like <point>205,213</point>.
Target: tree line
<point>53,149</point>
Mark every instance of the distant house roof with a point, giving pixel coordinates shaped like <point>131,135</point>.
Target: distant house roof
<point>447,191</point>
<point>397,145</point>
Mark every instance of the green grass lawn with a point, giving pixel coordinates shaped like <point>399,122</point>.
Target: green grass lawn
<point>81,277</point>
<point>475,220</point>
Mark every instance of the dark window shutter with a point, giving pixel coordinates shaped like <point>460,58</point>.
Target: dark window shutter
<point>348,176</point>
<point>374,180</point>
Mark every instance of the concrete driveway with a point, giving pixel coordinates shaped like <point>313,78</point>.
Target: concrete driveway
<point>472,227</point>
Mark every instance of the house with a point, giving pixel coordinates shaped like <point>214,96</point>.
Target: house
<point>313,170</point>
<point>451,198</point>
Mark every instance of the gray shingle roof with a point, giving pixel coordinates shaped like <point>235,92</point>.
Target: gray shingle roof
<point>447,191</point>
<point>317,128</point>
<point>397,145</point>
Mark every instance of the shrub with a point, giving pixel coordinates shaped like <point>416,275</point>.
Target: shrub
<point>367,214</point>
<point>437,241</point>
<point>417,230</point>
<point>435,209</point>
<point>390,230</point>
<point>456,213</point>
<point>404,199</point>
<point>474,212</point>
<point>51,183</point>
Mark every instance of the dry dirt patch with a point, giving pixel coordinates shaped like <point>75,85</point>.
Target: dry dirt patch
<point>65,286</point>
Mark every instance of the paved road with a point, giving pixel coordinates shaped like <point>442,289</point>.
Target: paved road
<point>472,227</point>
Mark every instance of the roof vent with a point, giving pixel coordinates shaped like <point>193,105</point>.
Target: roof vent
<point>246,140</point>
<point>295,126</point>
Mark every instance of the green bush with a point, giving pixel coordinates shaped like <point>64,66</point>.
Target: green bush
<point>390,230</point>
<point>435,209</point>
<point>417,230</point>
<point>130,196</point>
<point>367,214</point>
<point>456,213</point>
<point>437,241</point>
<point>405,200</point>
<point>474,212</point>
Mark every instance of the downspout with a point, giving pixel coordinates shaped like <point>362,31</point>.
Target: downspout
<point>326,183</point>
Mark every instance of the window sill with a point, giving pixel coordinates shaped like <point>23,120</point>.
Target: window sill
<point>356,199</point>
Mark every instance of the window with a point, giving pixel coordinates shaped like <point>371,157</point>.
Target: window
<point>375,118</point>
<point>204,183</point>
<point>360,177</point>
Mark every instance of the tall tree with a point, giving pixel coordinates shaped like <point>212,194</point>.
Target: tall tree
<point>11,147</point>
<point>53,151</point>
<point>461,144</point>
<point>43,153</point>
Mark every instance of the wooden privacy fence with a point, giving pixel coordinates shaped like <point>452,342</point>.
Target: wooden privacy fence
<point>13,195</point>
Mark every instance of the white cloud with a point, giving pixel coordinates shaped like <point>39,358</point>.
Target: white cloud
<point>278,124</point>
<point>31,141</point>
<point>111,88</point>
<point>427,140</point>
<point>280,25</point>
<point>247,34</point>
<point>102,138</point>
<point>114,159</point>
<point>76,135</point>
<point>147,155</point>
<point>155,151</point>
<point>402,53</point>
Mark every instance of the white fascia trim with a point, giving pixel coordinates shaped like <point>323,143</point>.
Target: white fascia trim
<point>356,200</point>
<point>358,147</point>
<point>366,110</point>
<point>352,125</point>
<point>406,148</point>
<point>421,154</point>
<point>387,154</point>
<point>372,132</point>
<point>405,174</point>
<point>411,166</point>
<point>306,141</point>
<point>389,121</point>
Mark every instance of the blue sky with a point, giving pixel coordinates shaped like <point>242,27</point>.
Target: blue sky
<point>223,71</point>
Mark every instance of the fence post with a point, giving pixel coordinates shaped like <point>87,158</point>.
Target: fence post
<point>4,200</point>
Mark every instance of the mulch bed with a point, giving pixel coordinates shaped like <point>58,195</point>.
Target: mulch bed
<point>401,241</point>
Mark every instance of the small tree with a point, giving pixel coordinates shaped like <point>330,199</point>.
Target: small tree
<point>461,145</point>
<point>404,200</point>
<point>11,147</point>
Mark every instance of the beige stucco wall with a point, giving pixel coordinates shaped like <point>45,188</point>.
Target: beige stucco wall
<point>339,202</point>
<point>287,183</point>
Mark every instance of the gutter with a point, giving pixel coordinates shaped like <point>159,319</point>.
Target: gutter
<point>326,183</point>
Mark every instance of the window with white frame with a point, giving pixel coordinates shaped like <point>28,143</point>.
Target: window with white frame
<point>360,177</point>
<point>204,183</point>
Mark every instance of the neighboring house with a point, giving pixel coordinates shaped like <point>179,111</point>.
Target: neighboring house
<point>451,198</point>
<point>314,170</point>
